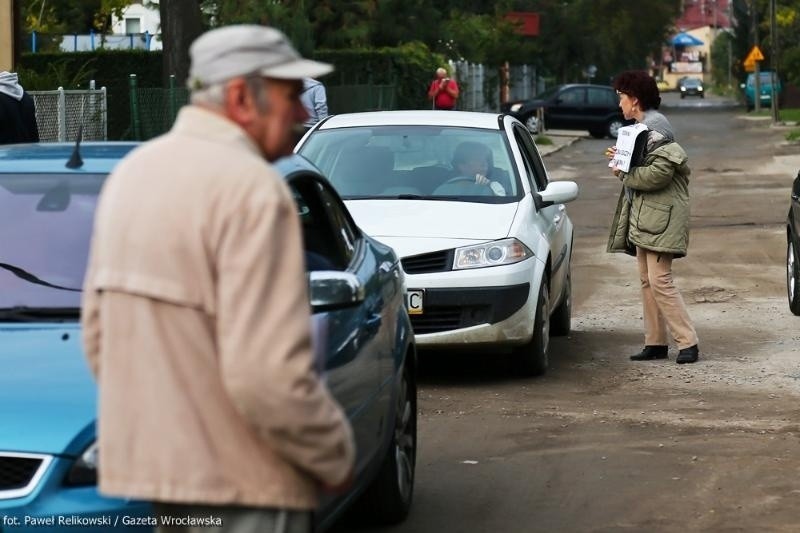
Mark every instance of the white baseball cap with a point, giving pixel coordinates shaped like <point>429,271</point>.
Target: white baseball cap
<point>231,51</point>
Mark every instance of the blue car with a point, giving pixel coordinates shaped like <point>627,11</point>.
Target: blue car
<point>48,454</point>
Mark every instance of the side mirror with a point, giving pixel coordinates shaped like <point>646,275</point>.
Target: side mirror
<point>557,192</point>
<point>330,289</point>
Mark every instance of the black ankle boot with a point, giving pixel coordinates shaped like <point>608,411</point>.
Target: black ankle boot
<point>688,355</point>
<point>651,352</point>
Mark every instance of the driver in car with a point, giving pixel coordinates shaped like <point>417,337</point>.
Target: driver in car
<point>472,162</point>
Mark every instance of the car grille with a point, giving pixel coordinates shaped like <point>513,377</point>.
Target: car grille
<point>19,473</point>
<point>441,261</point>
<point>436,320</point>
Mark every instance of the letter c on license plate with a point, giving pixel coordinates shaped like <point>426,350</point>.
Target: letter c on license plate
<point>414,301</point>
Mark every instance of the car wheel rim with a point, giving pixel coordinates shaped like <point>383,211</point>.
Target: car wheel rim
<point>404,441</point>
<point>613,128</point>
<point>532,124</point>
<point>790,278</point>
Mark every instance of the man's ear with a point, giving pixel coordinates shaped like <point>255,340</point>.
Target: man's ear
<point>239,103</point>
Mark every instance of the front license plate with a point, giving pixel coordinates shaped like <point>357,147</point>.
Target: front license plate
<point>414,301</point>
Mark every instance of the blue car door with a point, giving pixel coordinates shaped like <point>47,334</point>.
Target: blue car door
<point>352,344</point>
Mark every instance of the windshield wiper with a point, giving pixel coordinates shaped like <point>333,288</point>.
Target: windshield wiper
<point>23,313</point>
<point>27,276</point>
<point>409,197</point>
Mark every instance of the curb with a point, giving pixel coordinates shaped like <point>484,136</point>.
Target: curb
<point>556,148</point>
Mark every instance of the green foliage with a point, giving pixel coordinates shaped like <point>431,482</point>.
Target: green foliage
<point>543,140</point>
<point>109,68</point>
<point>793,136</point>
<point>410,66</point>
<point>720,49</point>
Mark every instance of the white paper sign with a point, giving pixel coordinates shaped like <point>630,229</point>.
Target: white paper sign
<point>626,140</point>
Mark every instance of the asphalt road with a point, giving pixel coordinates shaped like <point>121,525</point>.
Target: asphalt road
<point>604,444</point>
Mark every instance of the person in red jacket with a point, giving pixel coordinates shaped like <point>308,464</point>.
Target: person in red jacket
<point>443,91</point>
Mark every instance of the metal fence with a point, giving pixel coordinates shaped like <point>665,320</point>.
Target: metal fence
<point>153,110</point>
<point>480,85</point>
<point>361,97</point>
<point>60,113</point>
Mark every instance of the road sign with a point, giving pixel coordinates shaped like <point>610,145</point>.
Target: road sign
<point>754,55</point>
<point>750,61</point>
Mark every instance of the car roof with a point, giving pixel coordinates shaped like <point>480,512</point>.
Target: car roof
<point>98,157</point>
<point>466,119</point>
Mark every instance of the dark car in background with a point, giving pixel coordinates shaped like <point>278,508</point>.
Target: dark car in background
<point>48,453</point>
<point>594,108</point>
<point>691,87</point>
<point>793,248</point>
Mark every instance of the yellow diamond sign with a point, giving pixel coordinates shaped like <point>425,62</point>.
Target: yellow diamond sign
<point>754,55</point>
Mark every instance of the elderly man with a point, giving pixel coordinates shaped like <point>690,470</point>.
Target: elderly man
<point>443,91</point>
<point>195,313</point>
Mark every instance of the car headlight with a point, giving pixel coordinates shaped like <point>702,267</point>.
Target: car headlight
<point>84,471</point>
<point>516,107</point>
<point>699,88</point>
<point>496,253</point>
<point>683,88</point>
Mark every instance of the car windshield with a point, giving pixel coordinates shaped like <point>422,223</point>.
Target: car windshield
<point>692,82</point>
<point>45,230</point>
<point>416,162</point>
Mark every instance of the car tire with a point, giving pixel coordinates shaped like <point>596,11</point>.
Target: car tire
<point>532,123</point>
<point>561,319</point>
<point>683,96</point>
<point>387,500</point>
<point>597,134</point>
<point>702,95</point>
<point>792,278</point>
<point>613,126</point>
<point>532,358</point>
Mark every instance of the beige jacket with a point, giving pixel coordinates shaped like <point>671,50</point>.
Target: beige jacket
<point>197,325</point>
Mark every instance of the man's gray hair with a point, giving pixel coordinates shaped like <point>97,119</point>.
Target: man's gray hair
<point>214,95</point>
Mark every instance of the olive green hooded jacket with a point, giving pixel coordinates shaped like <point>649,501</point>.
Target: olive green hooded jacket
<point>654,214</point>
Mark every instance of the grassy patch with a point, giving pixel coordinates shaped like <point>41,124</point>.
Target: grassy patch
<point>543,140</point>
<point>793,135</point>
<point>791,114</point>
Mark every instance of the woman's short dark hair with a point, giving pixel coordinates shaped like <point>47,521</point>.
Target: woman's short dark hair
<point>641,85</point>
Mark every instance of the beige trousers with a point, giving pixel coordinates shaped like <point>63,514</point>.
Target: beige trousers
<point>662,304</point>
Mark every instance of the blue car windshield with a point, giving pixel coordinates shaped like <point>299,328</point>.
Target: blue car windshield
<point>416,163</point>
<point>45,231</point>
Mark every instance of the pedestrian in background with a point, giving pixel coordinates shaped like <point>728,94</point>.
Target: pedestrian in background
<point>17,112</point>
<point>652,215</point>
<point>195,315</point>
<point>443,91</point>
<point>314,100</point>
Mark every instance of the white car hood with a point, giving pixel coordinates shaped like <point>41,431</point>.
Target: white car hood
<point>433,219</point>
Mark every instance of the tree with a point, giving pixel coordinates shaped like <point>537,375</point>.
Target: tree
<point>181,23</point>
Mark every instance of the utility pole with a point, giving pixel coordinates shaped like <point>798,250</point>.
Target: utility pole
<point>757,69</point>
<point>773,37</point>
<point>7,33</point>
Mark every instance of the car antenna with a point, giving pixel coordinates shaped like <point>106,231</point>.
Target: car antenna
<point>75,160</point>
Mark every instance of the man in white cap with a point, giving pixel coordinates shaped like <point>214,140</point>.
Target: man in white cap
<point>195,314</point>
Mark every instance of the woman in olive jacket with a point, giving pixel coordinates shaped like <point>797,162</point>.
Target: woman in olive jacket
<point>652,220</point>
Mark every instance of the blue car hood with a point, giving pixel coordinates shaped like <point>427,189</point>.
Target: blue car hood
<point>47,394</point>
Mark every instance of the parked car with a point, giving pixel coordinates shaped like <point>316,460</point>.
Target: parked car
<point>572,107</point>
<point>691,87</point>
<point>793,248</point>
<point>765,89</point>
<point>487,265</point>
<point>48,455</point>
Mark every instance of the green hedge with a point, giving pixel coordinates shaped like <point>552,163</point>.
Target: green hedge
<point>109,68</point>
<point>410,67</point>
